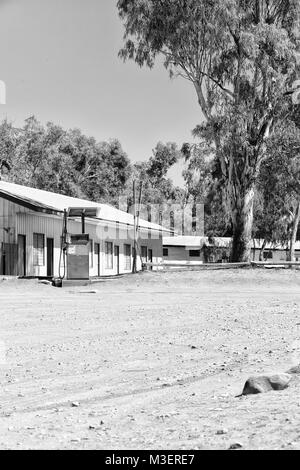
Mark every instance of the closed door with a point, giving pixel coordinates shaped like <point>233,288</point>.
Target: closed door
<point>117,258</point>
<point>50,252</point>
<point>21,255</point>
<point>10,259</point>
<point>97,258</point>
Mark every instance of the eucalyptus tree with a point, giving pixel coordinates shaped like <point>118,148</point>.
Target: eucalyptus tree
<point>241,57</point>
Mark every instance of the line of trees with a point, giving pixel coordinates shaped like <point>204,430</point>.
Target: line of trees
<point>68,162</point>
<point>64,161</point>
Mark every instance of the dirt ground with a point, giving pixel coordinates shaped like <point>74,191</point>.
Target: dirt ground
<point>151,361</point>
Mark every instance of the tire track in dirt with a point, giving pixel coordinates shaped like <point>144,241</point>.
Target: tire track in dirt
<point>32,405</point>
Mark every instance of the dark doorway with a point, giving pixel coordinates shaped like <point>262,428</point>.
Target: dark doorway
<point>50,253</point>
<point>21,255</point>
<point>117,258</point>
<point>150,258</point>
<point>97,255</point>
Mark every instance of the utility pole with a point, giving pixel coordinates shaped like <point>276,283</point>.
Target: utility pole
<point>136,218</point>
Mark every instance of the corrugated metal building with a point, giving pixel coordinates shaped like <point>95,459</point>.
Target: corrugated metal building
<point>193,250</point>
<point>31,227</point>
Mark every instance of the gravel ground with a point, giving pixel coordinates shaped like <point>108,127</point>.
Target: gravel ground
<point>150,361</point>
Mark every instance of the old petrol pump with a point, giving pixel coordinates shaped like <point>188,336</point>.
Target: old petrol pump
<point>78,257</point>
<point>76,247</point>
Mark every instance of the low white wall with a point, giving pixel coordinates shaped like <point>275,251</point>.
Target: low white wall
<point>177,254</point>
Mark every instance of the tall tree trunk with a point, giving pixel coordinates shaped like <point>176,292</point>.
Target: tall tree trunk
<point>254,250</point>
<point>242,220</point>
<point>261,253</point>
<point>291,254</point>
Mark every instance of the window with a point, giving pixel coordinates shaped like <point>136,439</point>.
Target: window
<point>38,249</point>
<point>144,254</point>
<point>127,257</point>
<point>194,253</point>
<point>108,255</point>
<point>268,254</point>
<point>165,252</point>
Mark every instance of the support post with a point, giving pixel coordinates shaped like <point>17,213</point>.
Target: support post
<point>65,231</point>
<point>82,222</point>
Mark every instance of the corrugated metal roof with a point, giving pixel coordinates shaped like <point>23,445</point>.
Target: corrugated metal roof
<point>58,203</point>
<point>223,242</point>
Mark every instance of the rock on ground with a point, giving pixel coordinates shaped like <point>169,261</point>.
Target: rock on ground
<point>294,370</point>
<point>266,383</point>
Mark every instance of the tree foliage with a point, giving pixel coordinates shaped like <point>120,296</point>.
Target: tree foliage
<point>7,146</point>
<point>64,161</point>
<point>158,189</point>
<point>202,185</point>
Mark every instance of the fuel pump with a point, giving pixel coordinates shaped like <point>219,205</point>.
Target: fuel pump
<point>75,248</point>
<point>78,259</point>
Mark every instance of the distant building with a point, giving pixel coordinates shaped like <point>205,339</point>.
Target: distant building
<point>273,252</point>
<point>33,242</point>
<point>193,250</point>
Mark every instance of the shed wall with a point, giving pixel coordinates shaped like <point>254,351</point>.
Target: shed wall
<point>16,220</point>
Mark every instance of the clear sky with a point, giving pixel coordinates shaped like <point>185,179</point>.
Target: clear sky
<point>59,60</point>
